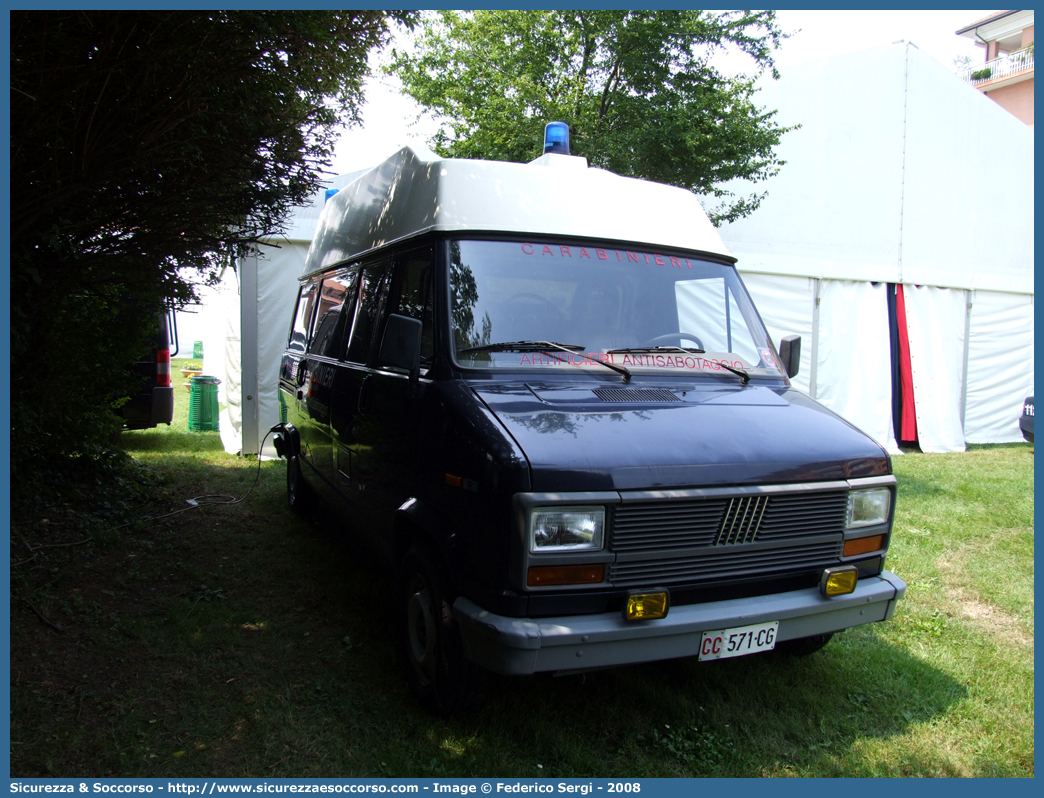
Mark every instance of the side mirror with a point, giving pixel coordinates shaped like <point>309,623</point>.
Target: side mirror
<point>790,354</point>
<point>401,345</point>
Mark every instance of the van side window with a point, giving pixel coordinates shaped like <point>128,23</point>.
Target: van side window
<point>373,290</point>
<point>330,320</point>
<point>298,342</point>
<point>415,299</point>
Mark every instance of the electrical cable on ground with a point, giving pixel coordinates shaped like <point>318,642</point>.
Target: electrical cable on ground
<point>194,503</point>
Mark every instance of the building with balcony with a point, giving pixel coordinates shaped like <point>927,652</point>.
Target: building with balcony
<point>1006,77</point>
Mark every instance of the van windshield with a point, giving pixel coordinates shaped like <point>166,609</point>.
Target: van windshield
<point>538,306</point>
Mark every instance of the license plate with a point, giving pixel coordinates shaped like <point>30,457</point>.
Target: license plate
<point>739,640</point>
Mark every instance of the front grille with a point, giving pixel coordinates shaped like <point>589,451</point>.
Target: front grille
<point>666,525</point>
<point>721,565</point>
<point>723,537</point>
<point>742,520</point>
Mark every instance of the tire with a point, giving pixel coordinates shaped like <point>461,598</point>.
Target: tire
<point>803,646</point>
<point>299,496</point>
<point>441,678</point>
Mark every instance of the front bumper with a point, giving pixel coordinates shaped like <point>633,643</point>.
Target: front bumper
<point>1026,426</point>
<point>581,642</point>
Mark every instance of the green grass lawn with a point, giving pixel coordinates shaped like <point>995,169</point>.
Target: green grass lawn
<point>237,640</point>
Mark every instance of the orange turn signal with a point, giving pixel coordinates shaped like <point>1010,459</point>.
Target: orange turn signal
<point>545,575</point>
<point>863,545</point>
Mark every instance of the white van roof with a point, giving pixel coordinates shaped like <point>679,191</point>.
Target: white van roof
<point>415,192</point>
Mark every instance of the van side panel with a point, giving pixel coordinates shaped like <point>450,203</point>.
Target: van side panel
<point>471,467</point>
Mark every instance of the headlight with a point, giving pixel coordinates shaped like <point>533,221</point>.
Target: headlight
<point>566,529</point>
<point>868,507</point>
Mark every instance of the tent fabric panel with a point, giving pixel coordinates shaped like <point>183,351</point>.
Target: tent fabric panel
<point>854,370</point>
<point>935,320</point>
<point>277,284</point>
<point>786,307</point>
<point>231,422</point>
<point>217,326</point>
<point>1000,366</point>
<point>835,209</point>
<point>251,378</point>
<point>964,226</point>
<point>892,177</point>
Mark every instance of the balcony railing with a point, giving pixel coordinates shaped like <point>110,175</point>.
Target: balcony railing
<point>1003,67</point>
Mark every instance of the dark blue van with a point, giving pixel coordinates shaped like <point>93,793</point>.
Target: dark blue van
<point>545,395</point>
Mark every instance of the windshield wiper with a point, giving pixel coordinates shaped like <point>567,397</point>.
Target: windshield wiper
<point>544,346</point>
<point>630,350</point>
<point>739,372</point>
<point>523,346</point>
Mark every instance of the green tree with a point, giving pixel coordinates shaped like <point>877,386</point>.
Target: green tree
<point>639,89</point>
<point>146,147</point>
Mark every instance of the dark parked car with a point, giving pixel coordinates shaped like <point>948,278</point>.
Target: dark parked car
<point>154,403</point>
<point>1026,422</point>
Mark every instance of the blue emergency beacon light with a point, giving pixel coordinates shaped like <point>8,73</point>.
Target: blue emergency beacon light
<point>556,138</point>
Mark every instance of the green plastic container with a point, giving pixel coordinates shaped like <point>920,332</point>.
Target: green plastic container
<point>197,350</point>
<point>203,404</point>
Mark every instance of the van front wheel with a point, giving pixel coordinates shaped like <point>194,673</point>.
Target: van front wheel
<point>803,646</point>
<point>444,681</point>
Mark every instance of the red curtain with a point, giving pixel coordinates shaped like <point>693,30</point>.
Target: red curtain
<point>909,418</point>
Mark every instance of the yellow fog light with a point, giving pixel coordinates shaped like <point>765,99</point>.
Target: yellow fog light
<point>838,581</point>
<point>646,606</point>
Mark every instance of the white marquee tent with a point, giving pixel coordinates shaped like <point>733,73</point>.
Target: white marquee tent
<point>900,174</point>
